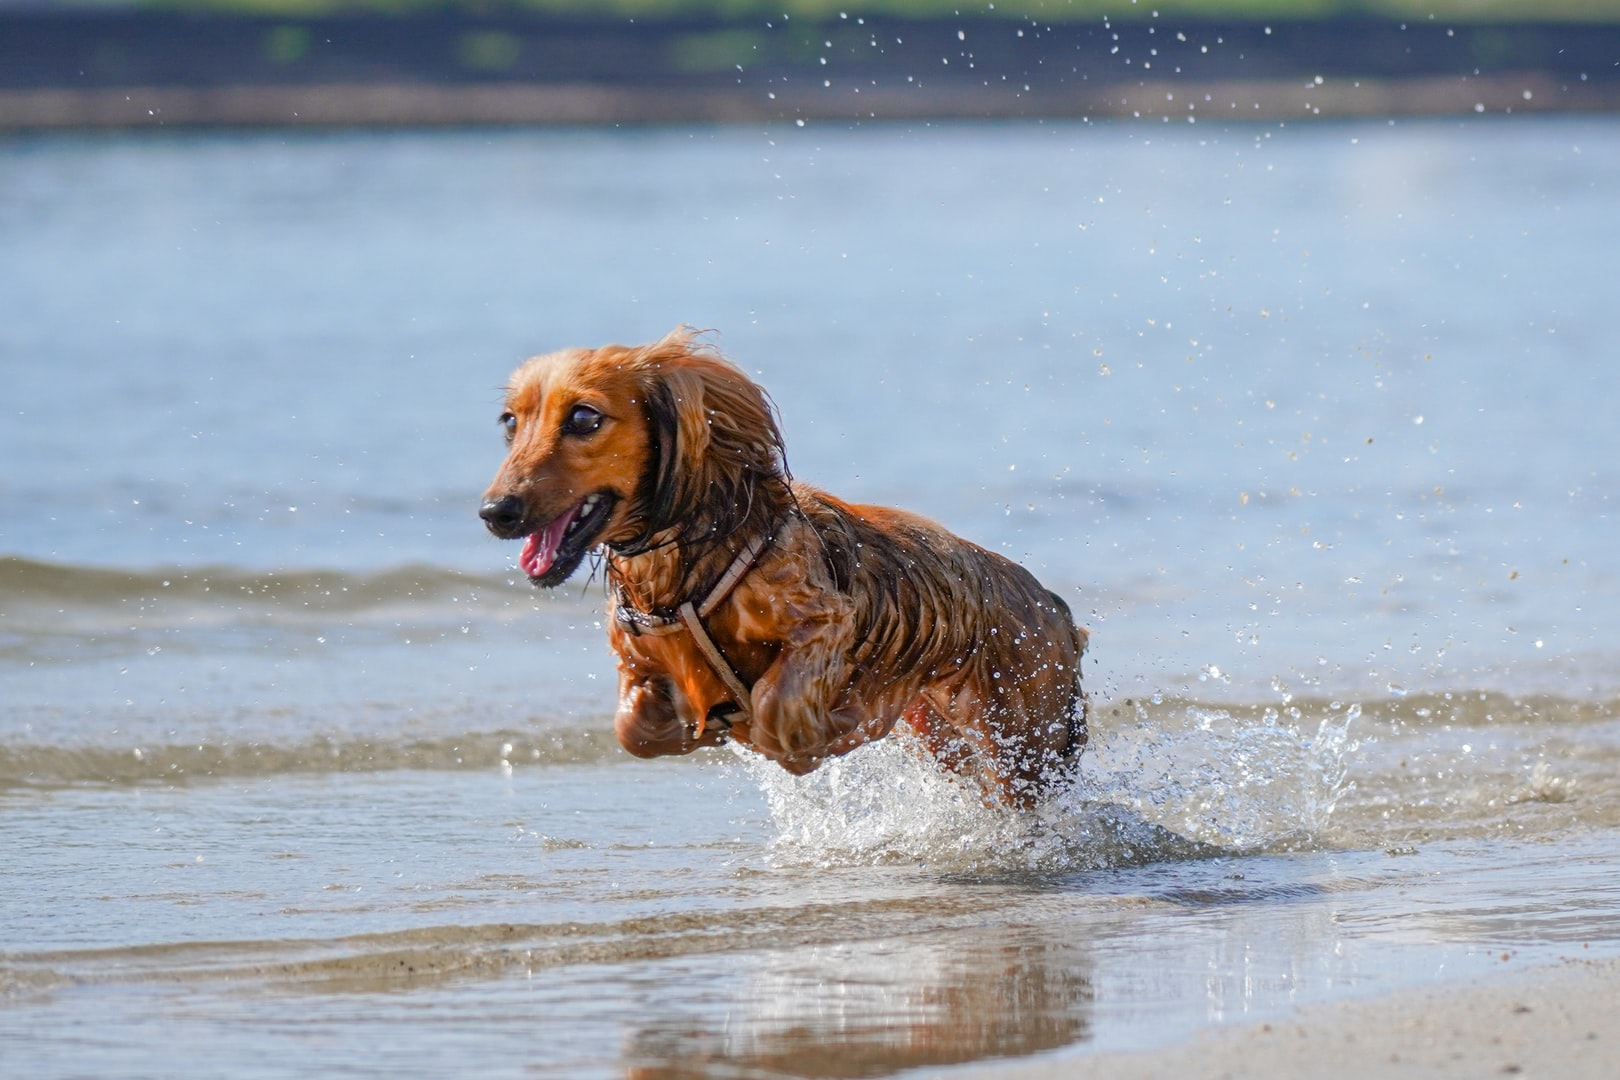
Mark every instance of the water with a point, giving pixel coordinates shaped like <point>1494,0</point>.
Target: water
<point>1310,424</point>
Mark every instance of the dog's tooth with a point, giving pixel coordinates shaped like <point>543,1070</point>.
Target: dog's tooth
<point>585,507</point>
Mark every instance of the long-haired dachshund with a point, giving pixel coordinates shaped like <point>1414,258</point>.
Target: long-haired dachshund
<point>749,606</point>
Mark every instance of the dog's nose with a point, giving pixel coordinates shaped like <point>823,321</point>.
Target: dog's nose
<point>503,515</point>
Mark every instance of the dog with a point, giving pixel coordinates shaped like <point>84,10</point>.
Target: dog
<point>745,605</point>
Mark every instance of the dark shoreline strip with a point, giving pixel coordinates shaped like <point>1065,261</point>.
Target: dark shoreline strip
<point>422,105</point>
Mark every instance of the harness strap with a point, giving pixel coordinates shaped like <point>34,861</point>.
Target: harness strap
<point>717,660</point>
<point>690,616</point>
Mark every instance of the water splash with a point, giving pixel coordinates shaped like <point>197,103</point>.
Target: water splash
<point>1228,778</point>
<point>885,803</point>
<point>1166,783</point>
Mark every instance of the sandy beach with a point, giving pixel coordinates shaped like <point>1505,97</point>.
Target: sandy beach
<point>1555,1020</point>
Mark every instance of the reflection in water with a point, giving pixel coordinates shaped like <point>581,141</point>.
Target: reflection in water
<point>875,1008</point>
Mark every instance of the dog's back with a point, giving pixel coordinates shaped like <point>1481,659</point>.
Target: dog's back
<point>993,653</point>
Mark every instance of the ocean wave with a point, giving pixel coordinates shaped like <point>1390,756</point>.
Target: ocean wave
<point>1255,743</point>
<point>32,584</point>
<point>36,765</point>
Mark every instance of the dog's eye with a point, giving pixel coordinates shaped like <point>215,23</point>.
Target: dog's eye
<point>582,420</point>
<point>508,426</point>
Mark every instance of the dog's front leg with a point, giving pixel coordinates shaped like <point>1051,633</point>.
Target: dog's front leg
<point>801,713</point>
<point>648,723</point>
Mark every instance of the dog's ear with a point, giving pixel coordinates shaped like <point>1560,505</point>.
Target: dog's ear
<point>679,436</point>
<point>713,433</point>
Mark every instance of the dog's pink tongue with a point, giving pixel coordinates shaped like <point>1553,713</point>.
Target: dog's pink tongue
<point>540,547</point>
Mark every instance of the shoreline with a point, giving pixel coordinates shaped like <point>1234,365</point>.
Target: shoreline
<point>146,70</point>
<point>506,104</point>
<point>1553,1020</point>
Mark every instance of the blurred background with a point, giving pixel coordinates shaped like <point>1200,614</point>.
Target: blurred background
<point>177,62</point>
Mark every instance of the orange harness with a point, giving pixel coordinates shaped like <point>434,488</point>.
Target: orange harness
<point>690,616</point>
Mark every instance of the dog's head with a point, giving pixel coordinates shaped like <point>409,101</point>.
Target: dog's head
<point>628,447</point>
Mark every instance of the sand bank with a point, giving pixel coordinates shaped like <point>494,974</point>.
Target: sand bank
<point>1553,1021</point>
<point>420,105</point>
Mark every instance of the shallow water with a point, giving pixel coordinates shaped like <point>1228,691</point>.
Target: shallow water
<point>1310,425</point>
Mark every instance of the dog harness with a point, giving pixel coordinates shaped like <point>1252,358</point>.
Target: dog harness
<point>690,616</point>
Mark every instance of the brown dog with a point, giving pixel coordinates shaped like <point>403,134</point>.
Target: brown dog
<point>746,605</point>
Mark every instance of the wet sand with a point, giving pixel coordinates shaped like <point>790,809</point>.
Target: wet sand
<point>1555,1020</point>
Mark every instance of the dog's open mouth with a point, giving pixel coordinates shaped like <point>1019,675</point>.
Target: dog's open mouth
<point>554,551</point>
